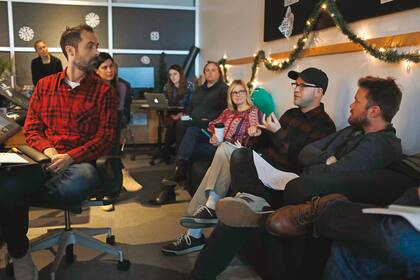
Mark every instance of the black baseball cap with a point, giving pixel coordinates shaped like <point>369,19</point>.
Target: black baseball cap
<point>311,76</point>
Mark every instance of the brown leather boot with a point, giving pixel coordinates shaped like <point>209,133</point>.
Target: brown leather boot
<point>295,220</point>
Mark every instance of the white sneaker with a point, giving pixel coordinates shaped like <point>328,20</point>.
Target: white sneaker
<point>108,208</point>
<point>129,184</point>
<point>243,210</point>
<point>24,268</point>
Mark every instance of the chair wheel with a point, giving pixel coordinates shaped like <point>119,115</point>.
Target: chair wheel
<point>69,254</point>
<point>110,240</point>
<point>124,265</point>
<point>9,270</point>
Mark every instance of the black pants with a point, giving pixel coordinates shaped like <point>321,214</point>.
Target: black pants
<point>244,178</point>
<point>379,187</point>
<point>224,242</point>
<point>14,183</point>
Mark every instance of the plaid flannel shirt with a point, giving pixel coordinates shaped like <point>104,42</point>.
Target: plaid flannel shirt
<point>81,122</point>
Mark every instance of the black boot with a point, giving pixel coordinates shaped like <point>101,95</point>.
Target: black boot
<point>166,196</point>
<point>180,173</point>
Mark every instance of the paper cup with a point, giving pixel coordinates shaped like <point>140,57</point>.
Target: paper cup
<point>219,130</point>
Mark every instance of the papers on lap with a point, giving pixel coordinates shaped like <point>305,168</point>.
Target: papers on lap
<point>270,176</point>
<point>11,158</point>
<point>410,213</point>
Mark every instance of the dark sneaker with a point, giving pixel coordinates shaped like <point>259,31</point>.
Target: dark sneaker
<point>185,244</point>
<point>243,210</point>
<point>297,220</point>
<point>202,217</point>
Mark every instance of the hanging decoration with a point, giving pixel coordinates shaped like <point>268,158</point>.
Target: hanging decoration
<point>389,55</point>
<point>286,26</point>
<point>26,33</point>
<point>92,19</point>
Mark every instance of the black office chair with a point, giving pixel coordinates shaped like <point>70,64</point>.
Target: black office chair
<point>110,185</point>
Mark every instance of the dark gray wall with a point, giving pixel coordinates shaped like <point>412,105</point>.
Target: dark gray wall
<point>133,60</point>
<point>132,28</point>
<point>4,25</point>
<point>5,55</point>
<point>49,21</point>
<point>23,66</point>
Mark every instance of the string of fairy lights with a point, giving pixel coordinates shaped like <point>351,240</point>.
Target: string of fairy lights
<point>389,55</point>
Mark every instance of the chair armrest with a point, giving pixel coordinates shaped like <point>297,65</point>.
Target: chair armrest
<point>34,154</point>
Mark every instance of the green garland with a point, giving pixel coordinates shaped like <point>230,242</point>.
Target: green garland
<point>387,55</point>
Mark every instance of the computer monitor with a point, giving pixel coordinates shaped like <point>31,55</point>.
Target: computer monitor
<point>13,96</point>
<point>138,77</point>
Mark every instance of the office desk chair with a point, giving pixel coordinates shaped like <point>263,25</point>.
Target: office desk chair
<point>110,174</point>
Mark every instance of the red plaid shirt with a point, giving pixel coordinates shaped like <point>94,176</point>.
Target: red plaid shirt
<point>80,122</point>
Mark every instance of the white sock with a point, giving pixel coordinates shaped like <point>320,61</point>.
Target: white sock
<point>195,232</point>
<point>212,200</point>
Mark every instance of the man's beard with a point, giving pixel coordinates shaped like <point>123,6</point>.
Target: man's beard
<point>84,67</point>
<point>359,122</point>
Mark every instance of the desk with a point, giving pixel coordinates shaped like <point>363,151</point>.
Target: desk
<point>161,111</point>
<point>16,140</point>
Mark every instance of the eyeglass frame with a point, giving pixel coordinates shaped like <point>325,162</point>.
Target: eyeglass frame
<point>236,93</point>
<point>302,86</point>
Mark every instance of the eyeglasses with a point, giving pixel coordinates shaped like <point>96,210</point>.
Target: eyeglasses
<point>302,86</point>
<point>238,93</point>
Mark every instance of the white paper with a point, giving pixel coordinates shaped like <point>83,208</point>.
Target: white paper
<point>11,158</point>
<point>410,213</point>
<point>270,176</point>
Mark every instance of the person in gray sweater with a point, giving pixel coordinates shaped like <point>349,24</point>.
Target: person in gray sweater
<point>208,102</point>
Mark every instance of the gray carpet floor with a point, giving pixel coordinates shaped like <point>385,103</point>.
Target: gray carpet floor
<point>140,231</point>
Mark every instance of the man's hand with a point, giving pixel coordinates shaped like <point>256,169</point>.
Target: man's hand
<point>177,116</point>
<point>271,123</point>
<point>254,131</point>
<point>49,152</point>
<point>59,162</point>
<point>331,160</point>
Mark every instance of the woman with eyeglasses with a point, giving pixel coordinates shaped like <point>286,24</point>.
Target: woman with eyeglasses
<point>240,120</point>
<point>202,144</point>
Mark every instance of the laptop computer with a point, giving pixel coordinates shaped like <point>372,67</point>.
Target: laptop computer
<point>159,101</point>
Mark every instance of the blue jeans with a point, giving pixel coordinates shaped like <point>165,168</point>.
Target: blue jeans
<point>195,145</point>
<point>65,190</point>
<point>368,246</point>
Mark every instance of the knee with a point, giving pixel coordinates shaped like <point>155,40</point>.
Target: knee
<point>240,155</point>
<point>84,176</point>
<point>222,150</point>
<point>294,192</point>
<point>192,131</point>
<point>87,172</point>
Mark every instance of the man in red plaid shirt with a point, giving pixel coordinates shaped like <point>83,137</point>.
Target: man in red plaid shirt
<point>72,118</point>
